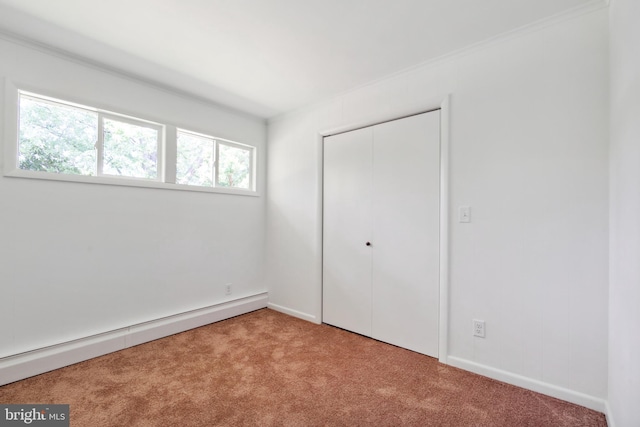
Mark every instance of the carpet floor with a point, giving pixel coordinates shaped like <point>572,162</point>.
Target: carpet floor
<point>268,369</point>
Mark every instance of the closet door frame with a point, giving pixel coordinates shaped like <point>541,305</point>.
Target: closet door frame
<point>444,106</point>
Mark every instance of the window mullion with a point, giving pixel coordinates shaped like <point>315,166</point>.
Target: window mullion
<point>215,162</point>
<point>170,154</point>
<point>252,169</point>
<point>100,145</point>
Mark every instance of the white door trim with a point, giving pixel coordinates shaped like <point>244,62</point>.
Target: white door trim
<point>443,346</point>
<point>444,106</point>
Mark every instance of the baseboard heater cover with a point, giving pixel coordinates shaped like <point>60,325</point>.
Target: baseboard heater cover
<point>35,362</point>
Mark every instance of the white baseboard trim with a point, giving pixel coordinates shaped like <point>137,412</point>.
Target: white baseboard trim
<point>609,415</point>
<point>24,365</point>
<point>591,402</point>
<point>294,313</point>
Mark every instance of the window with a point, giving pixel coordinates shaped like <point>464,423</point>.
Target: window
<point>234,166</point>
<point>195,160</point>
<point>65,138</point>
<point>56,138</point>
<point>60,140</point>
<point>129,149</point>
<point>213,162</point>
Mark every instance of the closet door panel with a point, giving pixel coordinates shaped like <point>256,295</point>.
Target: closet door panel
<point>405,240</point>
<point>346,230</point>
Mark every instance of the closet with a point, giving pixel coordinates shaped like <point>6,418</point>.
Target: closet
<point>381,231</point>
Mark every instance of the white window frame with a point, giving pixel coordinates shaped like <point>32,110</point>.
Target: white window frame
<point>53,102</point>
<point>136,122</point>
<point>216,156</point>
<point>251,151</point>
<point>99,143</point>
<point>167,146</point>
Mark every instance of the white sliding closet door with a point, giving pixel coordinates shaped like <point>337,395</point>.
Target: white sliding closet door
<point>381,231</point>
<point>347,228</point>
<point>405,239</point>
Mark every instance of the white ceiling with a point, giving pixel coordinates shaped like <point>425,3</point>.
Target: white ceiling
<point>267,57</point>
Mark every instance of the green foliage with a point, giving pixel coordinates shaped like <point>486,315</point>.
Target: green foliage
<point>130,150</point>
<point>195,163</point>
<point>38,158</point>
<point>60,138</point>
<point>195,160</point>
<point>57,138</point>
<point>234,166</point>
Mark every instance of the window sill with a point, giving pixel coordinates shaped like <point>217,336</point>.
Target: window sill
<point>126,182</point>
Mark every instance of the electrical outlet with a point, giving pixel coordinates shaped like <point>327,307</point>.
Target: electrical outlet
<point>478,328</point>
<point>227,289</point>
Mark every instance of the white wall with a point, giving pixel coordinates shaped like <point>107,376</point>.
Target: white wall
<point>624,294</point>
<point>80,259</point>
<point>529,153</point>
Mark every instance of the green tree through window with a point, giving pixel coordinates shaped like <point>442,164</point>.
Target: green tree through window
<point>61,137</point>
<point>57,138</point>
<point>234,166</point>
<point>130,150</point>
<point>196,162</point>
